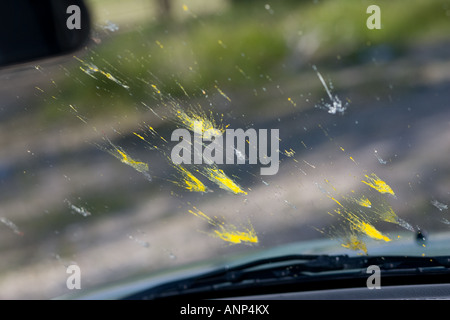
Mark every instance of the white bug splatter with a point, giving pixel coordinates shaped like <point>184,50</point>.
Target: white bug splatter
<point>75,209</point>
<point>380,160</point>
<point>142,243</point>
<point>439,205</point>
<point>11,225</point>
<point>335,105</point>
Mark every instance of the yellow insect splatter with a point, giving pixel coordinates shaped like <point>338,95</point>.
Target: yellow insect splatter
<point>198,122</point>
<point>359,225</point>
<point>223,93</point>
<point>189,181</point>
<point>374,182</point>
<point>228,232</point>
<point>364,202</point>
<point>387,214</point>
<point>289,153</point>
<point>125,158</point>
<point>156,89</point>
<point>90,69</point>
<point>235,236</point>
<point>370,230</point>
<point>354,243</point>
<point>335,200</point>
<point>220,42</point>
<point>139,136</point>
<point>182,88</point>
<point>154,133</point>
<point>222,180</point>
<point>120,154</point>
<point>292,102</point>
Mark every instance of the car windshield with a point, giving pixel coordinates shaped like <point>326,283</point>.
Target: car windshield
<point>193,131</point>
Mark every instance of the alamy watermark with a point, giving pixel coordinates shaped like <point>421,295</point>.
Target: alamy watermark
<point>374,20</point>
<point>74,20</point>
<point>74,280</point>
<point>194,150</point>
<point>374,280</point>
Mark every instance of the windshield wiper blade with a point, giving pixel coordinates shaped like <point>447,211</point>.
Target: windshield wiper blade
<point>295,267</point>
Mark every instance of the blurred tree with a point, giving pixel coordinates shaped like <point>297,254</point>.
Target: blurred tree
<point>164,8</point>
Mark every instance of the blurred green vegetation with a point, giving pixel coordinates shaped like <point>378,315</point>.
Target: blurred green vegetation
<point>235,47</point>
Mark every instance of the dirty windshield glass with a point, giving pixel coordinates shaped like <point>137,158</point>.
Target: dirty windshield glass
<point>193,131</point>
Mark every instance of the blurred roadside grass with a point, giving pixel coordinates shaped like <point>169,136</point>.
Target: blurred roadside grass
<point>234,47</point>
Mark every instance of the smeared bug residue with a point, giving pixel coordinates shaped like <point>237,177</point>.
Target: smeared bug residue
<point>191,119</point>
<point>292,102</point>
<point>360,224</point>
<point>189,181</point>
<point>372,232</point>
<point>336,104</point>
<point>358,215</point>
<point>77,114</point>
<point>330,184</point>
<point>374,182</point>
<point>80,210</point>
<point>125,158</point>
<point>11,225</point>
<point>222,93</point>
<point>242,72</point>
<point>309,164</point>
<point>186,9</point>
<point>381,211</point>
<point>239,154</point>
<point>228,232</point>
<point>144,137</point>
<point>217,176</point>
<point>349,238</point>
<point>325,132</point>
<point>380,160</point>
<point>223,45</point>
<point>289,153</point>
<point>233,235</point>
<point>364,202</point>
<point>439,205</point>
<point>335,200</point>
<point>142,243</point>
<point>354,243</point>
<point>151,109</point>
<point>120,154</point>
<point>91,68</point>
<point>139,136</point>
<point>386,214</point>
<point>290,204</point>
<point>402,223</point>
<point>156,134</point>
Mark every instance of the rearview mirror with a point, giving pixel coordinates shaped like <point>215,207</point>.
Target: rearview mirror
<point>32,30</point>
